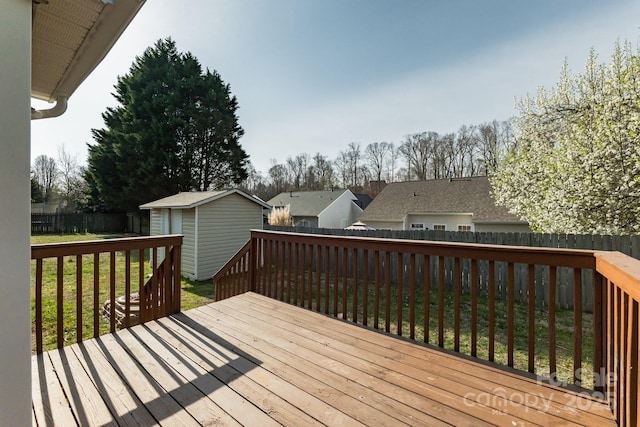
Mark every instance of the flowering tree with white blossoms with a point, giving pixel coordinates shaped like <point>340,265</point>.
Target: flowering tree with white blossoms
<point>576,165</point>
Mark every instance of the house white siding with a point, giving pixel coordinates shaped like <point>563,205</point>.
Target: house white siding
<point>223,228</point>
<point>306,221</point>
<point>15,306</point>
<point>502,228</point>
<point>385,225</point>
<point>356,213</point>
<point>189,243</point>
<point>338,214</point>
<point>451,221</point>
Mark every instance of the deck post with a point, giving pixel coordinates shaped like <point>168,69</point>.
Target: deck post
<point>253,259</point>
<point>599,336</point>
<point>15,307</point>
<point>177,278</point>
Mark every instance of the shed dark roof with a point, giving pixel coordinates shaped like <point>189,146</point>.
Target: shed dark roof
<point>306,203</point>
<point>460,195</point>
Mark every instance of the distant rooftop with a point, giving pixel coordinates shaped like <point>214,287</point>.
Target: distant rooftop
<point>458,195</point>
<point>306,203</point>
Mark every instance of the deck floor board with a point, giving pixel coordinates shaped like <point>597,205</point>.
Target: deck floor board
<point>251,360</point>
<point>451,370</point>
<point>340,392</point>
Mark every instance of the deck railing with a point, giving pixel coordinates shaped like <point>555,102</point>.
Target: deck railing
<point>96,286</point>
<point>462,297</point>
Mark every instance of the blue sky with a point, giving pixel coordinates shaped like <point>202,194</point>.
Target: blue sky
<point>314,75</point>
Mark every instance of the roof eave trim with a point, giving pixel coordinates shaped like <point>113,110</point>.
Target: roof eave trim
<point>102,36</point>
<point>55,111</point>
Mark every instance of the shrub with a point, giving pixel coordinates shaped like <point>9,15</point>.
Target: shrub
<point>280,216</point>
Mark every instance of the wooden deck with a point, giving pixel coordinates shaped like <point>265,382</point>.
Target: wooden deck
<point>251,360</point>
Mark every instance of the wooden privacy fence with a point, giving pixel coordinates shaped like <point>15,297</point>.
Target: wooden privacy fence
<point>66,223</point>
<point>379,283</point>
<point>85,275</point>
<point>627,244</point>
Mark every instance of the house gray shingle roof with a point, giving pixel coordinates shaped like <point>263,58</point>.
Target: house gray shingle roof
<point>187,200</point>
<point>460,195</point>
<point>306,203</point>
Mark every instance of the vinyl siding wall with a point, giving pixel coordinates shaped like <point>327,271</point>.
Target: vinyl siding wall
<point>155,223</point>
<point>503,228</point>
<point>155,229</point>
<point>189,243</point>
<point>451,221</point>
<point>339,213</point>
<point>223,228</point>
<point>311,221</point>
<point>385,225</point>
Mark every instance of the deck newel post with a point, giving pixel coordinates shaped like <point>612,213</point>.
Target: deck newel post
<point>598,332</point>
<point>177,276</point>
<point>253,259</point>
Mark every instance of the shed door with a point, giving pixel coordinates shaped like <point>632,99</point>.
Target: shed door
<point>176,221</point>
<point>165,217</point>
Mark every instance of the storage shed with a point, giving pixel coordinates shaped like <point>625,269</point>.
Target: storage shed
<point>215,225</point>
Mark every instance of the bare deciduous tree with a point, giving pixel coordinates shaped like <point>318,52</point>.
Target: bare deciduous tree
<point>494,139</point>
<point>376,155</point>
<point>46,173</point>
<point>466,146</point>
<point>418,149</point>
<point>72,185</point>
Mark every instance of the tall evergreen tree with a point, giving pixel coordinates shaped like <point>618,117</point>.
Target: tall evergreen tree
<point>175,129</point>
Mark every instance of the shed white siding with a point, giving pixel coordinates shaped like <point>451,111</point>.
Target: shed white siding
<point>338,214</point>
<point>157,227</point>
<point>155,222</point>
<point>189,243</point>
<point>223,228</point>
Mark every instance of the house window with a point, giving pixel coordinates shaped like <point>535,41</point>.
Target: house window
<point>417,226</point>
<point>464,228</point>
<point>439,227</point>
<point>304,223</point>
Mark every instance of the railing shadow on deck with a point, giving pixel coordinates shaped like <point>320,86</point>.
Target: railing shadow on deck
<point>82,301</point>
<point>444,293</point>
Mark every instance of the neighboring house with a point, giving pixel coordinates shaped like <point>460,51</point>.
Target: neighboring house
<point>363,200</point>
<point>460,204</point>
<point>320,209</point>
<point>215,225</point>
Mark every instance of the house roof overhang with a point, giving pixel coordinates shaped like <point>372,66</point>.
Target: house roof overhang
<point>69,39</point>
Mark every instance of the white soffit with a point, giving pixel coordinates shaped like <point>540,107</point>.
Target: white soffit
<point>70,38</point>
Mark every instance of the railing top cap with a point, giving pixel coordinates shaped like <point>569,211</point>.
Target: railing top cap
<point>407,242</point>
<point>45,250</point>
